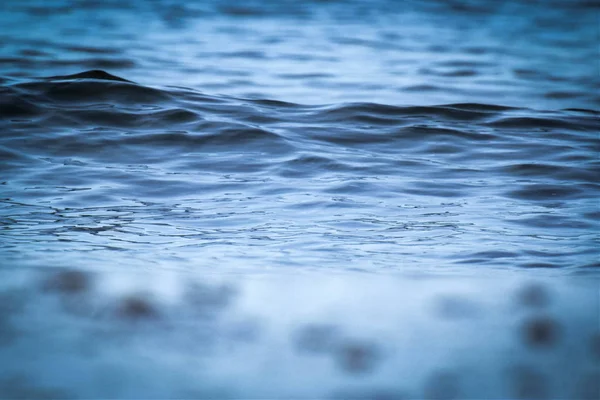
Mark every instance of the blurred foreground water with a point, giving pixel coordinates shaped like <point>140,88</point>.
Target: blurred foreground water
<point>174,335</point>
<point>387,200</point>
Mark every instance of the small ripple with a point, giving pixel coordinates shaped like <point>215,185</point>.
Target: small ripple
<point>94,139</point>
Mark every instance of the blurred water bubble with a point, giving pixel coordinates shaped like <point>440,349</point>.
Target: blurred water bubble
<point>357,357</point>
<point>68,282</point>
<point>73,288</point>
<point>135,308</point>
<point>540,332</point>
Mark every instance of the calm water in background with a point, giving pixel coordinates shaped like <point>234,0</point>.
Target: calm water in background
<point>534,54</point>
<point>337,149</point>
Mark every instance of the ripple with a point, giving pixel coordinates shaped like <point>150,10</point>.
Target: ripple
<point>263,176</point>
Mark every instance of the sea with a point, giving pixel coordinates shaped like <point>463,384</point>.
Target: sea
<point>317,199</point>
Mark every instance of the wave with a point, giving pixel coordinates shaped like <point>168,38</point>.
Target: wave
<point>95,141</point>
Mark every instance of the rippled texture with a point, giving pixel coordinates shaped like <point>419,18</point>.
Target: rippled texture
<point>104,168</point>
<point>539,54</point>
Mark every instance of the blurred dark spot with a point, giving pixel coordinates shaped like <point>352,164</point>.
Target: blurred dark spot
<point>540,331</point>
<point>455,307</point>
<point>533,295</point>
<point>589,388</point>
<point>317,338</point>
<point>442,385</point>
<point>68,282</point>
<point>528,384</point>
<point>357,357</point>
<point>136,308</point>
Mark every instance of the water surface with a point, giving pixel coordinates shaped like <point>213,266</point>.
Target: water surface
<point>326,199</point>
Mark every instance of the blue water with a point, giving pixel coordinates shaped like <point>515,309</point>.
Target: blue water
<point>319,199</point>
